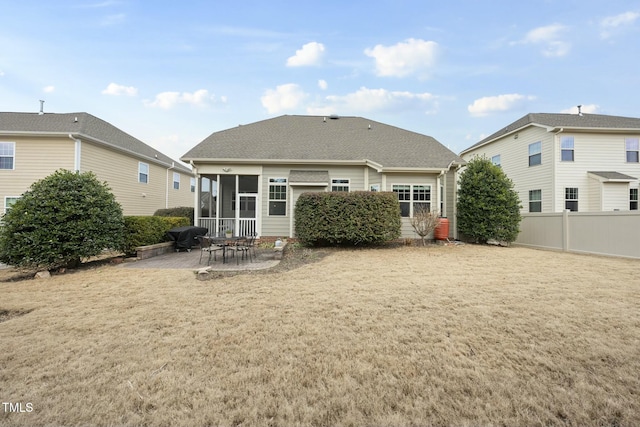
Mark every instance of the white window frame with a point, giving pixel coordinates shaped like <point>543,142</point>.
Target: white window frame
<point>141,172</point>
<point>535,152</point>
<point>632,146</point>
<point>633,199</point>
<point>567,145</point>
<point>278,182</point>
<point>192,182</point>
<point>11,155</point>
<point>414,197</point>
<point>6,205</point>
<point>176,180</point>
<point>569,191</point>
<point>538,201</point>
<point>496,160</point>
<point>341,184</point>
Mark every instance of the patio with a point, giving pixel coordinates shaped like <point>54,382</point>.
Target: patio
<point>264,258</point>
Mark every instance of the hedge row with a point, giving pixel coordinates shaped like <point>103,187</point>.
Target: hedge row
<point>183,211</point>
<point>148,230</point>
<point>340,218</point>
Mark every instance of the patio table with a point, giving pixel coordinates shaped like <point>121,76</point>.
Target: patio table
<point>223,242</point>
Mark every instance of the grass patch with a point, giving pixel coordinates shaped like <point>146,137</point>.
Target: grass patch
<point>446,335</point>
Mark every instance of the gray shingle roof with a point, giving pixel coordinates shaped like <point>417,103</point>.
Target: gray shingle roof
<point>615,176</point>
<point>311,177</point>
<point>314,138</point>
<point>567,121</point>
<point>86,126</point>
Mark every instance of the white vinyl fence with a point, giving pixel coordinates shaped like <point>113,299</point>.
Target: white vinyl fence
<point>603,233</point>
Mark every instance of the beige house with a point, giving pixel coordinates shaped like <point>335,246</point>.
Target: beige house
<point>34,145</point>
<point>250,176</point>
<point>578,162</point>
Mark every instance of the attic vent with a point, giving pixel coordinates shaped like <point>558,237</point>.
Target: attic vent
<point>334,117</point>
<point>41,107</point>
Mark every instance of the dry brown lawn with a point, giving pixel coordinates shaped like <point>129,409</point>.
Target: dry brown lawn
<point>456,335</point>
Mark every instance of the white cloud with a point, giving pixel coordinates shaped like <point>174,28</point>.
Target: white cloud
<point>322,84</point>
<point>413,56</point>
<point>284,97</point>
<point>367,100</point>
<point>550,38</point>
<point>310,54</point>
<point>611,23</point>
<point>49,89</point>
<point>199,98</point>
<point>587,109</point>
<point>491,104</point>
<point>1,73</point>
<point>116,89</point>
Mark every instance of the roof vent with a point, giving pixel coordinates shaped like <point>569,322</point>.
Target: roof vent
<point>41,107</point>
<point>334,117</point>
<point>580,110</point>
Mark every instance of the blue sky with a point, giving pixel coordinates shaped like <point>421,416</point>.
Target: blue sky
<point>171,73</point>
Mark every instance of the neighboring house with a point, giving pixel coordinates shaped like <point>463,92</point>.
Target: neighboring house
<point>34,145</point>
<point>579,162</point>
<point>250,176</point>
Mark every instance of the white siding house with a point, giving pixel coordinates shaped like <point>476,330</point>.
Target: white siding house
<point>579,162</point>
<point>250,177</point>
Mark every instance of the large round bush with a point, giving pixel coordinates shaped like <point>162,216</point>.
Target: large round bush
<point>63,218</point>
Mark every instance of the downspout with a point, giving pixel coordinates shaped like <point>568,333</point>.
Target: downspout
<point>166,202</point>
<point>555,191</point>
<point>439,194</point>
<point>196,196</point>
<point>77,153</point>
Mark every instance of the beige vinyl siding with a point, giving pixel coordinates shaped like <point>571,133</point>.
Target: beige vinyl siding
<point>412,179</point>
<point>514,159</point>
<point>35,159</point>
<point>282,225</point>
<point>121,173</point>
<point>595,152</point>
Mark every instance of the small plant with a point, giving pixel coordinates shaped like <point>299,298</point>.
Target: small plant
<point>424,222</point>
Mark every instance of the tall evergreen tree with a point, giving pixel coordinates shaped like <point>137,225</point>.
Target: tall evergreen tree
<point>488,206</point>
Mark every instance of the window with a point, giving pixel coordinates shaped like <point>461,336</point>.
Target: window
<point>535,153</point>
<point>566,149</point>
<point>535,200</point>
<point>143,173</point>
<point>8,202</point>
<point>633,199</point>
<point>340,185</point>
<point>7,155</point>
<point>411,197</point>
<point>374,187</point>
<point>193,185</point>
<point>278,196</point>
<point>496,160</point>
<point>176,181</point>
<point>571,199</point>
<point>404,197</point>
<point>631,145</point>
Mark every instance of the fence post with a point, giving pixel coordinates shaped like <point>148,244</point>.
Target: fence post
<point>565,230</point>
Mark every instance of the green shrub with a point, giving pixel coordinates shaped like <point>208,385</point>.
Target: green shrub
<point>183,211</point>
<point>61,219</point>
<point>148,230</point>
<point>488,206</point>
<point>339,218</point>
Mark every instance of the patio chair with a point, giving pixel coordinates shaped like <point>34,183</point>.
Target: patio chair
<point>205,246</point>
<point>251,243</point>
<point>242,249</point>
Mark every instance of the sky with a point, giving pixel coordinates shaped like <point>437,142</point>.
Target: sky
<point>171,73</point>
